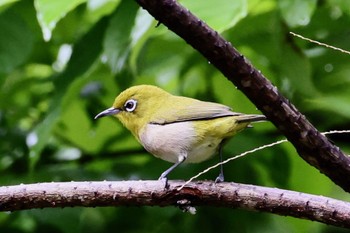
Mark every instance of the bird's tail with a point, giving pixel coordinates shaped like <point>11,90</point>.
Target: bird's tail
<point>248,118</point>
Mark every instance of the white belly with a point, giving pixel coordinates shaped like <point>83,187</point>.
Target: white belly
<point>172,141</point>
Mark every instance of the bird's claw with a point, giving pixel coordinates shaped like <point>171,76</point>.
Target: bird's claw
<point>220,178</point>
<point>165,180</point>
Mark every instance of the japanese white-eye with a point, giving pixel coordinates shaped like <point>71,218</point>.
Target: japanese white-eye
<point>175,128</point>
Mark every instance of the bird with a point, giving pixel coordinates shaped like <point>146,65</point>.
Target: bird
<point>177,129</point>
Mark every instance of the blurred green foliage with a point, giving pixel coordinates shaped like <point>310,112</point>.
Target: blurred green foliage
<point>62,62</point>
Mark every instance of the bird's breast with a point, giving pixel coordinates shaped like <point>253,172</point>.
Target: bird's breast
<point>170,141</point>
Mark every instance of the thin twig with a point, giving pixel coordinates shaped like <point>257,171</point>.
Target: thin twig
<point>320,43</point>
<point>232,158</point>
<point>250,152</point>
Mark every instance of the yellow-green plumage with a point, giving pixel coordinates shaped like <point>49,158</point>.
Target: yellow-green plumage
<point>175,128</point>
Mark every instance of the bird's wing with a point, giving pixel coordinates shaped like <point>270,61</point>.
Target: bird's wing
<point>191,110</point>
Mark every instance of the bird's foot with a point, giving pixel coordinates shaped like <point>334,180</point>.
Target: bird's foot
<point>220,178</point>
<point>165,180</point>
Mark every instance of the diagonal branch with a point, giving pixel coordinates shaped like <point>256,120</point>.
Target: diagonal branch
<point>313,147</point>
<point>152,193</point>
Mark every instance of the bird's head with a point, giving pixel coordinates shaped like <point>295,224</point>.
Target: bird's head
<point>136,106</point>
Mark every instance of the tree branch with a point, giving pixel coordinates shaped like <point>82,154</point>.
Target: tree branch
<point>313,147</point>
<point>152,193</point>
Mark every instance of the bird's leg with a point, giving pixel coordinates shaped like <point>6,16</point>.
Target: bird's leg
<point>220,178</point>
<point>164,175</point>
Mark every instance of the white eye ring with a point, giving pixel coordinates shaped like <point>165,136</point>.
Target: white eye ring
<point>130,105</point>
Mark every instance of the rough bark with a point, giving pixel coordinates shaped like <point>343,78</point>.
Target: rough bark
<point>312,146</point>
<point>152,193</point>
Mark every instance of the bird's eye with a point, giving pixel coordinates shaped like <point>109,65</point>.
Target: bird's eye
<point>130,105</point>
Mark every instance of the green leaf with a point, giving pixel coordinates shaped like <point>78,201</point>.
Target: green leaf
<point>297,12</point>
<point>6,3</point>
<point>83,57</point>
<point>279,161</point>
<point>227,94</point>
<point>337,104</point>
<point>140,33</point>
<point>295,72</point>
<point>37,139</point>
<point>16,42</point>
<point>165,65</point>
<point>50,12</point>
<point>343,5</point>
<point>104,6</point>
<point>117,44</point>
<point>99,8</point>
<point>219,14</point>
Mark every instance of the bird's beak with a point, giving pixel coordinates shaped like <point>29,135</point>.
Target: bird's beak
<point>108,112</point>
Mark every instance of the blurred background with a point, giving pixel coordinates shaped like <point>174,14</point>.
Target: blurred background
<point>62,62</point>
